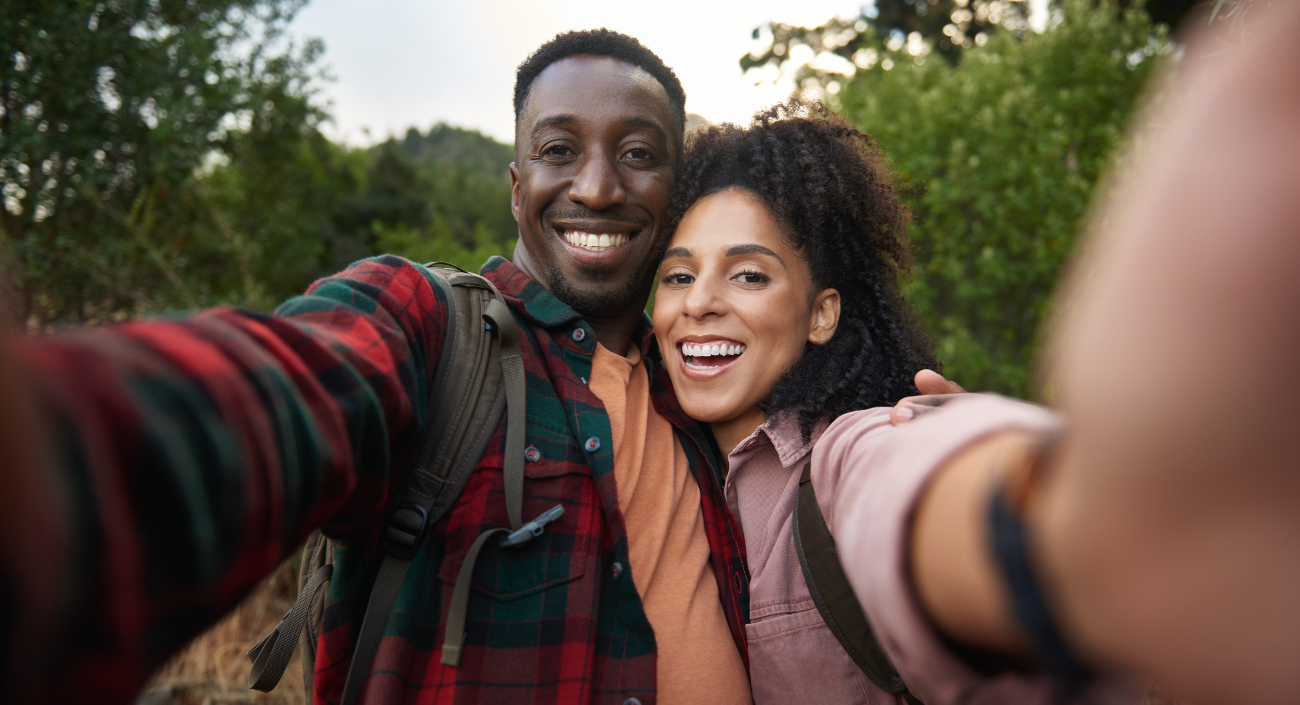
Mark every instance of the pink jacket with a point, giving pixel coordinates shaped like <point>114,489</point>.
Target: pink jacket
<point>868,476</point>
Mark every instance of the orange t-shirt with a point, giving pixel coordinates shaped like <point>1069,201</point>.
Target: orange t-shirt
<point>669,551</point>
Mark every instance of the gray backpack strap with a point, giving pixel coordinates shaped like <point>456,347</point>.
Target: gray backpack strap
<point>512,369</point>
<point>465,405</point>
<point>834,596</point>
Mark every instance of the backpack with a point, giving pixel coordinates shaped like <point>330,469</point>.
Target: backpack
<point>466,400</point>
<point>834,596</point>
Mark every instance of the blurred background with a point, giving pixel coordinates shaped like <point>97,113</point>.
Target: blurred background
<point>159,155</point>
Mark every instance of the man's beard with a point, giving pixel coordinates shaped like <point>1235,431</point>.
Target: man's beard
<point>604,302</point>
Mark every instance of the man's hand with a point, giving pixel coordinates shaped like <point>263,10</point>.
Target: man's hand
<point>935,392</point>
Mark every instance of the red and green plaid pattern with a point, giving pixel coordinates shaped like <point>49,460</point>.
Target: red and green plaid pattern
<point>185,458</point>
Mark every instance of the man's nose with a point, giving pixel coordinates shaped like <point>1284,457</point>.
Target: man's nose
<point>598,184</point>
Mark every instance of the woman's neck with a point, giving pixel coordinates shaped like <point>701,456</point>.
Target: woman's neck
<point>731,432</point>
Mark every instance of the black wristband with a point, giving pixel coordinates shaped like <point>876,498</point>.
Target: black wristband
<point>1008,536</point>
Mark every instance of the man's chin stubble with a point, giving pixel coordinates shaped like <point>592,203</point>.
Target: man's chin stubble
<point>607,301</point>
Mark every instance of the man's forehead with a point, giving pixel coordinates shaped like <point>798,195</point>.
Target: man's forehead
<point>585,85</point>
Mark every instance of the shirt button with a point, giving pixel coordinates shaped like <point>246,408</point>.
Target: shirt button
<point>593,444</point>
<point>617,570</point>
<point>578,334</point>
<point>631,701</point>
<point>531,454</point>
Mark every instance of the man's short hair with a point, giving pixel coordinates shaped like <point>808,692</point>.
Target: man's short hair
<point>599,42</point>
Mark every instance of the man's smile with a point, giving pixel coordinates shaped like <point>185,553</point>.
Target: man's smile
<point>596,242</point>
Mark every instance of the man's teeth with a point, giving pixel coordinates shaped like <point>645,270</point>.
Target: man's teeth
<point>596,242</point>
<point>710,349</point>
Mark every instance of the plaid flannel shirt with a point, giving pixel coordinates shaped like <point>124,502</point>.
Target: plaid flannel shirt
<point>190,456</point>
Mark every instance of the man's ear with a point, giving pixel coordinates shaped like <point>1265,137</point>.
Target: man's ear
<point>514,191</point>
<point>825,317</point>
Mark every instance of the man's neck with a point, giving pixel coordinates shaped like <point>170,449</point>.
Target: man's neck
<point>614,332</point>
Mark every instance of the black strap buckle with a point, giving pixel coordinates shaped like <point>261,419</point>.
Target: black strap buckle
<point>405,528</point>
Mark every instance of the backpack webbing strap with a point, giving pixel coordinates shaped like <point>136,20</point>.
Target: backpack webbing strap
<point>512,377</point>
<point>271,655</point>
<point>834,596</point>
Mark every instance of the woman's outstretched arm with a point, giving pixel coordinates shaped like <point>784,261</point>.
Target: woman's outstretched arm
<point>1166,530</point>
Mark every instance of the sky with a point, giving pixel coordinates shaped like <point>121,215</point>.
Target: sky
<point>412,63</point>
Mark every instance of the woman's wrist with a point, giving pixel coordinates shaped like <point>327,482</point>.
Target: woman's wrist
<point>955,573</point>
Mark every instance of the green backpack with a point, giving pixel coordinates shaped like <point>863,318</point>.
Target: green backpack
<point>469,393</point>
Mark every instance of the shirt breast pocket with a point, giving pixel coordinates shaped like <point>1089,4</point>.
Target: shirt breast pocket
<point>560,554</point>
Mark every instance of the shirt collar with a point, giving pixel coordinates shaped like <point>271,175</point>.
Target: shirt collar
<point>532,299</point>
<point>544,308</point>
<point>782,432</point>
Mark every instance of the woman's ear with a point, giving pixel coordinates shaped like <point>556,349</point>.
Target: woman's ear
<point>825,317</point>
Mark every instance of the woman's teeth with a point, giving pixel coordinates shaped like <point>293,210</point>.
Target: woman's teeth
<point>596,242</point>
<point>711,349</point>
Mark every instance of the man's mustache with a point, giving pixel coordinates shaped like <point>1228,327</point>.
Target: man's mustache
<point>615,215</point>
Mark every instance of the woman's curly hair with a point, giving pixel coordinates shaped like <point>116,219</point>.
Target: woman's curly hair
<point>826,183</point>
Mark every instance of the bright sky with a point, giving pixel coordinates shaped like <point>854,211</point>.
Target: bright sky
<point>403,63</point>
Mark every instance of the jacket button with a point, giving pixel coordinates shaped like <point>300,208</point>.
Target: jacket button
<point>578,334</point>
<point>617,570</point>
<point>631,701</point>
<point>531,454</point>
<point>593,444</point>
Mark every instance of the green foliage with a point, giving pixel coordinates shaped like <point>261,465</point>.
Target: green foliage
<point>110,112</point>
<point>998,157</point>
<point>166,155</point>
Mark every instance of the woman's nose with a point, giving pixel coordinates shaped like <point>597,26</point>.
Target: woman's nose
<point>704,299</point>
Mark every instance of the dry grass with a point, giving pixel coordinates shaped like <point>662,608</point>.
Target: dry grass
<point>213,669</point>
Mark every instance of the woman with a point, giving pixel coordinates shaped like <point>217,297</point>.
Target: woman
<point>778,311</point>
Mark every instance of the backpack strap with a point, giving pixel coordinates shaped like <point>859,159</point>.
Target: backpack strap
<point>460,425</point>
<point>512,371</point>
<point>834,596</point>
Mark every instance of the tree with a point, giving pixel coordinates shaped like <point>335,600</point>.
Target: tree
<point>111,113</point>
<point>1000,156</point>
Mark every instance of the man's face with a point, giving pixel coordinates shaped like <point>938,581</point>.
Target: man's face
<point>595,150</point>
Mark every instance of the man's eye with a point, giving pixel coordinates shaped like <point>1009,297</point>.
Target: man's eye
<point>678,279</point>
<point>557,150</point>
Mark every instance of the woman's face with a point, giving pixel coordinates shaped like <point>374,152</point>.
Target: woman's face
<point>734,307</point>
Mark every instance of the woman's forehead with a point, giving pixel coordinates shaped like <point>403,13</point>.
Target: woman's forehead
<point>722,222</point>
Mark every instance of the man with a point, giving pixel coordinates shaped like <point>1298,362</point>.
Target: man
<point>199,452</point>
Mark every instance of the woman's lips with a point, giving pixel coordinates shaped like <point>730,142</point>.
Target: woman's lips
<point>708,359</point>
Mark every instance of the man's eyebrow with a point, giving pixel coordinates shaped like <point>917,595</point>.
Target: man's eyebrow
<point>737,250</point>
<point>648,124</point>
<point>553,121</point>
<point>677,252</point>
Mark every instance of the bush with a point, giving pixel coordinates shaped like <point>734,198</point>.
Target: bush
<point>998,156</point>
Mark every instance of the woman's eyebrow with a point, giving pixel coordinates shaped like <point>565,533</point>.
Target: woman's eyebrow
<point>677,252</point>
<point>737,250</point>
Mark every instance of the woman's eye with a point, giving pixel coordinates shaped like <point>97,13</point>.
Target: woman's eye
<point>638,154</point>
<point>752,278</point>
<point>678,279</point>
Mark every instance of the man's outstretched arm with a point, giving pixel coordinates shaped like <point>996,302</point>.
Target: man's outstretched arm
<point>167,466</point>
